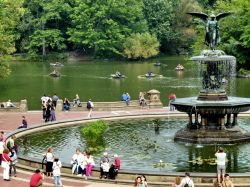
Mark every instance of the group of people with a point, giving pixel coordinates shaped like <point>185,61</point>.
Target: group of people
<point>83,163</point>
<point>8,156</point>
<point>49,107</point>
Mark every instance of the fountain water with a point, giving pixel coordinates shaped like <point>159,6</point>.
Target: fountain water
<point>215,113</point>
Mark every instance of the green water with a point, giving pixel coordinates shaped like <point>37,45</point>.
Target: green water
<point>140,147</point>
<point>91,79</point>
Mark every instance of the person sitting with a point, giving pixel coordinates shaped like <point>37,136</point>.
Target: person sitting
<point>66,105</point>
<point>9,104</point>
<point>150,73</point>
<point>118,74</point>
<point>77,102</point>
<point>24,123</point>
<point>124,97</point>
<point>36,179</point>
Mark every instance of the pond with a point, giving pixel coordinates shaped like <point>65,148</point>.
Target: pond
<point>91,79</point>
<point>141,147</point>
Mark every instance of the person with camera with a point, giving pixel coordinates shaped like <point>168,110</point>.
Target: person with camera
<point>221,164</point>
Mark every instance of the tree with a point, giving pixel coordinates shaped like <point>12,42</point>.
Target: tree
<point>44,26</point>
<point>10,13</point>
<point>236,30</point>
<point>103,25</point>
<point>139,46</point>
<point>160,15</point>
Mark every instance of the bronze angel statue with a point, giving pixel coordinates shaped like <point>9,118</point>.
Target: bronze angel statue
<point>212,38</point>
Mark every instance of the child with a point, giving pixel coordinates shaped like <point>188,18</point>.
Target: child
<point>13,161</point>
<point>57,172</point>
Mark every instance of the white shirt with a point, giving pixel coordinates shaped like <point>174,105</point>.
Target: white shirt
<point>49,157</point>
<point>221,158</point>
<point>187,180</point>
<point>78,157</point>
<point>56,168</point>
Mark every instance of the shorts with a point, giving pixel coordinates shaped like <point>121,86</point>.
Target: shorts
<point>221,169</point>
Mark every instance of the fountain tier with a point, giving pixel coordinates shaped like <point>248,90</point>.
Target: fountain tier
<point>214,113</point>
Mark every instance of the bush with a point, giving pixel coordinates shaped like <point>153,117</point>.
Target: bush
<point>139,46</point>
<point>93,135</point>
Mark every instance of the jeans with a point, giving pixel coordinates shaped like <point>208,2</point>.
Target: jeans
<point>57,181</point>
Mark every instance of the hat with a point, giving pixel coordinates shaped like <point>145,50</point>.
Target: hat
<point>105,154</point>
<point>115,155</point>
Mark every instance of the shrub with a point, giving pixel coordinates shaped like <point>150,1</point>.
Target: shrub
<point>139,46</point>
<point>93,135</point>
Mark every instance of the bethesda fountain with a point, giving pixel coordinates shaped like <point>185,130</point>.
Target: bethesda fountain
<point>213,114</point>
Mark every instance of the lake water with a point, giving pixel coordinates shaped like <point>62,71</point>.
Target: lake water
<point>140,148</point>
<point>91,79</point>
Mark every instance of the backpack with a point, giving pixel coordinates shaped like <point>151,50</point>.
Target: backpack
<point>186,185</point>
<point>88,105</point>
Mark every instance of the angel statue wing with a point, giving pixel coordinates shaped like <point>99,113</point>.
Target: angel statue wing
<point>222,15</point>
<point>200,15</point>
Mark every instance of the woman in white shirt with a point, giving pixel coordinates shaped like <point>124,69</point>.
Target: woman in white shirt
<point>49,162</point>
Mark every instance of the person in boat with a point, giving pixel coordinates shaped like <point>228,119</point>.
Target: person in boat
<point>118,74</point>
<point>150,73</point>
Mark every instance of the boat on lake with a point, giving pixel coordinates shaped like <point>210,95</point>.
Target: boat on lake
<point>55,74</point>
<point>117,76</point>
<point>179,67</point>
<point>57,64</point>
<point>157,64</point>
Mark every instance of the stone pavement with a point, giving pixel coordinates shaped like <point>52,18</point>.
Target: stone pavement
<point>9,121</point>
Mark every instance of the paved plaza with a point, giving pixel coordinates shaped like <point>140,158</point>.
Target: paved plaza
<point>9,121</point>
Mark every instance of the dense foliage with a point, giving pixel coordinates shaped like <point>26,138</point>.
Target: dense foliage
<point>10,12</point>
<point>93,134</point>
<point>103,28</point>
<point>141,46</point>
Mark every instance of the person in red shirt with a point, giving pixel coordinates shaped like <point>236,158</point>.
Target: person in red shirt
<point>36,179</point>
<point>6,164</point>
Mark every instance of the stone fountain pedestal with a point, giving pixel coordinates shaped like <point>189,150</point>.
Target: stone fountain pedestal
<point>213,115</point>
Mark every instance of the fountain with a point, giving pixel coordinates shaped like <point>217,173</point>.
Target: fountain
<point>215,113</point>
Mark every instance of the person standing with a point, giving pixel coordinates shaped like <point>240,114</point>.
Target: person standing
<point>89,164</point>
<point>227,182</point>
<point>221,164</point>
<point>90,107</point>
<point>6,165</point>
<point>36,179</point>
<point>49,162</point>
<point>57,172</point>
<point>187,181</point>
<point>13,161</point>
<point>54,100</point>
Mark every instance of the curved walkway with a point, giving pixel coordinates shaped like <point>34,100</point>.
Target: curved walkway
<point>9,121</point>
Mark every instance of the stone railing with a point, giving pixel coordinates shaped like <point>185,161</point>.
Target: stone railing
<point>153,101</point>
<point>19,107</point>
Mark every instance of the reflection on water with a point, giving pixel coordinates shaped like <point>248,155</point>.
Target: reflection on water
<point>140,146</point>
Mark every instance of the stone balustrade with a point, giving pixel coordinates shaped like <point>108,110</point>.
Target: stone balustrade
<point>18,106</point>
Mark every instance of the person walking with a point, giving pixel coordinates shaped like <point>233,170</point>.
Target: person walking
<point>57,172</point>
<point>90,107</point>
<point>54,100</point>
<point>221,164</point>
<point>187,181</point>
